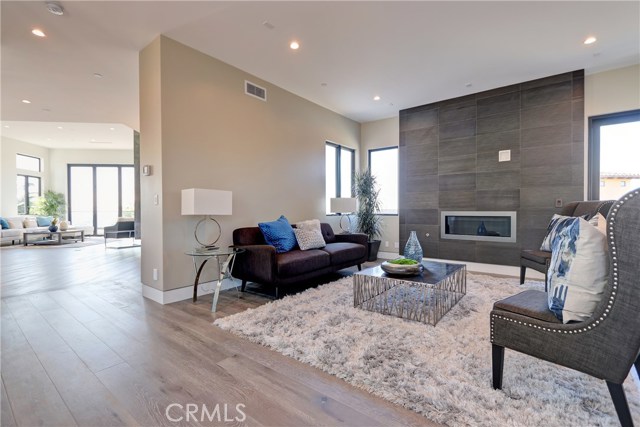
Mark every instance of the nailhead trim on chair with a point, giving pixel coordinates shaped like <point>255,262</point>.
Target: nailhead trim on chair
<point>612,216</point>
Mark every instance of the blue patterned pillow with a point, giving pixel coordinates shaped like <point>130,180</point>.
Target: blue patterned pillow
<point>558,222</point>
<point>4,223</point>
<point>578,271</point>
<point>44,221</point>
<point>279,233</point>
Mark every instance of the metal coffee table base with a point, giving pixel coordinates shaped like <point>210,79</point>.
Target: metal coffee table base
<point>425,298</point>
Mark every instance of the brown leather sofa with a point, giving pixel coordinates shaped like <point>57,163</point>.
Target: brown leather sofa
<point>539,260</point>
<point>261,264</point>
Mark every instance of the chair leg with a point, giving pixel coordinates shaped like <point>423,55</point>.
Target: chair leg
<point>620,403</point>
<point>497,357</point>
<point>522,273</point>
<point>244,285</point>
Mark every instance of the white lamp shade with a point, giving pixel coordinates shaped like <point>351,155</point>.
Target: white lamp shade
<point>342,205</point>
<point>197,201</point>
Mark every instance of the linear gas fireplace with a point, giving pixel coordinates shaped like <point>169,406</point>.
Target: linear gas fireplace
<point>488,226</point>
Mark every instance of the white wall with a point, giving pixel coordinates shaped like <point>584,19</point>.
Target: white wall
<point>379,134</point>
<point>11,147</point>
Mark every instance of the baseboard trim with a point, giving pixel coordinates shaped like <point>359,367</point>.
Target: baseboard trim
<point>185,293</point>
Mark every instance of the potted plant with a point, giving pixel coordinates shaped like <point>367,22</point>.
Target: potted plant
<point>368,222</point>
<point>51,204</point>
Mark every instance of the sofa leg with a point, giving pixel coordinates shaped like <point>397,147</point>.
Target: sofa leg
<point>497,359</point>
<point>620,403</point>
<point>244,285</point>
<point>277,293</point>
<point>359,267</point>
<point>523,269</point>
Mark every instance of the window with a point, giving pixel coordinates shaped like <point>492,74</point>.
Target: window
<point>614,147</point>
<point>28,191</point>
<point>28,163</point>
<point>339,169</point>
<point>383,163</point>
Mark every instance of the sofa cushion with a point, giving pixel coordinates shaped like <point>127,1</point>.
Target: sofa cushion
<point>296,262</point>
<point>44,221</point>
<point>327,233</point>
<point>344,252</point>
<point>4,223</point>
<point>29,223</point>
<point>279,234</point>
<point>309,238</point>
<point>578,271</point>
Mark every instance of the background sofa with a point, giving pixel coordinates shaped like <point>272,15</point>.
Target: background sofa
<point>261,264</point>
<point>14,234</point>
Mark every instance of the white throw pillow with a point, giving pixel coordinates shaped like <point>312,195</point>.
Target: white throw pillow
<point>15,223</point>
<point>309,238</point>
<point>311,224</point>
<point>29,223</point>
<point>578,271</point>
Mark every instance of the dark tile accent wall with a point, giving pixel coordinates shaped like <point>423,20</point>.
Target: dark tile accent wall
<point>449,161</point>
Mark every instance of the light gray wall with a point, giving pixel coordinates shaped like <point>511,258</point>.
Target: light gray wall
<point>199,130</point>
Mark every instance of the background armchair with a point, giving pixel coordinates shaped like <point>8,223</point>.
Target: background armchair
<point>539,260</point>
<point>123,228</point>
<point>606,345</point>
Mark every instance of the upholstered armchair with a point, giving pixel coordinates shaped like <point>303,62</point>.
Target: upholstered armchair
<point>606,345</point>
<point>539,260</point>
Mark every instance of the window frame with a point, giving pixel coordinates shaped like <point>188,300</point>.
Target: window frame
<point>392,147</point>
<point>31,157</point>
<point>593,161</point>
<point>338,169</point>
<point>27,205</point>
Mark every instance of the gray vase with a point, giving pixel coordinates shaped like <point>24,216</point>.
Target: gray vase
<point>412,249</point>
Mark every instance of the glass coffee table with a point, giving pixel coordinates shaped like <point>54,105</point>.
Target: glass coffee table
<point>425,298</point>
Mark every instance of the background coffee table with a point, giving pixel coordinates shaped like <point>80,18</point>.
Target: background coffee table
<point>53,237</point>
<point>424,298</point>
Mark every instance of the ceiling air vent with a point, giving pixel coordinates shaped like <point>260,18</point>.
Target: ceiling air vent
<point>255,90</point>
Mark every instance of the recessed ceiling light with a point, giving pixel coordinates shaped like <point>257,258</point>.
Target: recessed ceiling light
<point>38,32</point>
<point>468,85</point>
<point>26,101</point>
<point>294,45</point>
<point>376,98</point>
<point>47,110</point>
<point>590,40</point>
<point>112,128</point>
<point>268,25</point>
<point>55,8</point>
<point>7,126</point>
<point>323,84</point>
<point>98,75</point>
<point>93,140</point>
<point>60,127</point>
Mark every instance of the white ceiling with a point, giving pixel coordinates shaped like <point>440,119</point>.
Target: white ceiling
<point>408,53</point>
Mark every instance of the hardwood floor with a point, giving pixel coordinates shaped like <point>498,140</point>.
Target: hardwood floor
<point>81,346</point>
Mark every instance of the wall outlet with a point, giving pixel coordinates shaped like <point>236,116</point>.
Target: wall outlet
<point>156,199</point>
<point>396,245</point>
<point>504,155</point>
<point>558,203</point>
<point>386,243</point>
<point>155,274</point>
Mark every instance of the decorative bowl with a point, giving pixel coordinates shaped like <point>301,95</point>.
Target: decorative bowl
<point>401,270</point>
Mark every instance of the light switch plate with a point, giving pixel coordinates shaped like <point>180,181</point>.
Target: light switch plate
<point>504,155</point>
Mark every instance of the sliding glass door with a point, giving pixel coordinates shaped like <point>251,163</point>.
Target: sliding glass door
<point>100,194</point>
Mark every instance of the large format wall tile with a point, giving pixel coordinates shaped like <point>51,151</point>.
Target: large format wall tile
<point>449,161</point>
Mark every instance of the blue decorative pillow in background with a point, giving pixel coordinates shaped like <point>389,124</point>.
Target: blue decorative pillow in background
<point>279,234</point>
<point>44,221</point>
<point>558,222</point>
<point>578,271</point>
<point>4,223</point>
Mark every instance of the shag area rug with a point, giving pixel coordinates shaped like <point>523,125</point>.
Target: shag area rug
<point>442,372</point>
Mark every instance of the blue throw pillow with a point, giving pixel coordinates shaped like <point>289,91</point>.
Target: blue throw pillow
<point>279,233</point>
<point>4,223</point>
<point>44,221</point>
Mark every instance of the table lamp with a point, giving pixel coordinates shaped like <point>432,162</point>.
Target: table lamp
<point>342,206</point>
<point>198,201</point>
